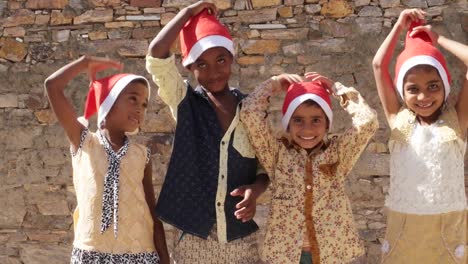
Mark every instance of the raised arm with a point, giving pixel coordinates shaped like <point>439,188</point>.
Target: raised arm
<point>461,52</point>
<point>161,44</point>
<point>56,83</point>
<point>385,87</point>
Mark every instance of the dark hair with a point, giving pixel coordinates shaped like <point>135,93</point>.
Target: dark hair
<point>423,67</point>
<point>139,80</point>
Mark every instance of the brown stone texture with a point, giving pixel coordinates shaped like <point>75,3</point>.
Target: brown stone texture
<point>46,4</point>
<point>337,38</point>
<point>12,50</point>
<point>336,8</point>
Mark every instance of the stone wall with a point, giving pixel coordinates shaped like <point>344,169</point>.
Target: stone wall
<point>337,38</point>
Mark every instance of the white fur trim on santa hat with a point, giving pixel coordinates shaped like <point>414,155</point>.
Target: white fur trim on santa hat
<point>205,43</point>
<point>299,100</point>
<point>422,60</point>
<point>114,93</point>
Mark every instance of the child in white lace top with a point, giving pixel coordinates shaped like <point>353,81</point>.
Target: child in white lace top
<point>427,206</point>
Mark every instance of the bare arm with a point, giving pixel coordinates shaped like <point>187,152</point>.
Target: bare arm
<point>385,87</point>
<point>159,236</point>
<point>56,83</point>
<point>461,52</point>
<point>161,44</point>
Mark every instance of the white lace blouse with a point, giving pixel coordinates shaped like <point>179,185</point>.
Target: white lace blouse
<point>427,165</point>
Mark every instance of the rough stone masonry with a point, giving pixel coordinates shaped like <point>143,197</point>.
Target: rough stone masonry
<point>337,38</point>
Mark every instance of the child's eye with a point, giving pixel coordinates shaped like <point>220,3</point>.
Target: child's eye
<point>201,65</point>
<point>316,120</point>
<point>434,87</point>
<point>221,60</point>
<point>297,121</point>
<point>412,90</point>
<point>133,98</point>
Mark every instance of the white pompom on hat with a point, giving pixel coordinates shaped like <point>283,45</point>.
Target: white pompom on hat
<point>103,93</point>
<point>200,33</point>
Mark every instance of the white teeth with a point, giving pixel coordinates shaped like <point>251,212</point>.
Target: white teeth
<point>424,105</point>
<point>308,138</point>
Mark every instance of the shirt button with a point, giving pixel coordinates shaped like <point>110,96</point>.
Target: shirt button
<point>222,176</point>
<point>308,187</point>
<point>222,143</point>
<point>219,204</point>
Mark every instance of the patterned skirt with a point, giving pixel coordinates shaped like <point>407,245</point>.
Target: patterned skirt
<point>80,256</point>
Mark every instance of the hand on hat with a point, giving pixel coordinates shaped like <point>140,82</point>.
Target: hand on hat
<point>326,83</point>
<point>428,29</point>
<point>96,64</point>
<point>199,6</point>
<point>286,79</point>
<point>409,15</point>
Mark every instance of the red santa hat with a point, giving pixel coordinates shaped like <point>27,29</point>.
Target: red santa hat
<point>200,33</point>
<point>301,92</point>
<point>419,50</point>
<point>103,93</point>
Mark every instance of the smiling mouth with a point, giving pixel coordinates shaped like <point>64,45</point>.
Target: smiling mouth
<point>307,138</point>
<point>135,120</point>
<point>427,105</point>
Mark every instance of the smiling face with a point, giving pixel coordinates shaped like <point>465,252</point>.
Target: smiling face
<point>213,69</point>
<point>424,92</point>
<point>128,111</point>
<point>308,125</point>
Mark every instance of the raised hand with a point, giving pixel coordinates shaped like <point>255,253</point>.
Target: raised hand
<point>409,15</point>
<point>287,79</point>
<point>317,77</point>
<point>96,64</point>
<point>199,6</point>
<point>428,29</point>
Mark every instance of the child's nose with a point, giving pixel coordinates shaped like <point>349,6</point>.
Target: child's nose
<point>422,96</point>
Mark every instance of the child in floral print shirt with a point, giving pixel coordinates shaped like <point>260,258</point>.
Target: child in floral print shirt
<point>310,216</point>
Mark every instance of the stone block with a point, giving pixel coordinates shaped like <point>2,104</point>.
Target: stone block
<point>49,200</point>
<point>124,47</point>
<point>46,4</point>
<point>50,253</point>
<point>94,16</point>
<point>336,29</point>
<point>42,19</point>
<point>358,3</point>
<point>97,35</point>
<point>286,34</point>
<point>267,26</point>
<point>122,24</point>
<point>251,60</point>
<point>393,12</point>
<point>265,3</point>
<point>415,3</point>
<point>312,9</point>
<point>14,32</point>
<point>372,25</point>
<point>257,16</point>
<point>145,3</point>
<point>152,10</point>
<point>12,50</point>
<point>336,9</point>
<point>20,17</point>
<point>373,164</point>
<point>435,2</point>
<point>166,17</point>
<point>260,46</point>
<point>293,49</point>
<point>60,35</point>
<point>160,121</point>
<point>389,3</point>
<point>435,10</point>
<point>105,3</point>
<point>293,2</point>
<point>370,11</point>
<point>59,18</point>
<point>143,18</point>
<point>145,33</point>
<point>46,116</point>
<point>285,11</point>
<point>13,207</point>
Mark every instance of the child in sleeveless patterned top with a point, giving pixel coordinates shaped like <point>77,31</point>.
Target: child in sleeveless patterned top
<point>427,205</point>
<point>112,175</point>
